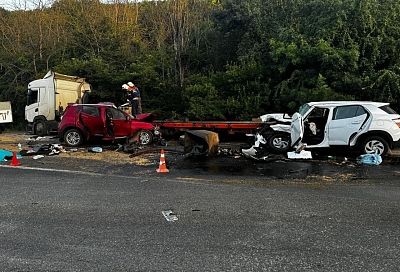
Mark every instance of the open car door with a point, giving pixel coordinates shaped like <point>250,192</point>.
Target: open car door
<point>296,129</point>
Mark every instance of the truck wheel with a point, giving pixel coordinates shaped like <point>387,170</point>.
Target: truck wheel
<point>375,144</point>
<point>40,128</point>
<point>279,142</point>
<point>145,137</point>
<point>73,137</point>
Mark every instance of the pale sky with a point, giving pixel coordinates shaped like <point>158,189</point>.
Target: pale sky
<point>19,4</point>
<point>30,4</point>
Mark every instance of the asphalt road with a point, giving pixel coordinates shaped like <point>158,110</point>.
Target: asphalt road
<point>59,221</point>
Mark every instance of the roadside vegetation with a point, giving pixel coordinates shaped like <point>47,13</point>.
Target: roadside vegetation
<point>215,59</point>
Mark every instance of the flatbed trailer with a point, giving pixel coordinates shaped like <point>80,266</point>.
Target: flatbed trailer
<point>229,127</point>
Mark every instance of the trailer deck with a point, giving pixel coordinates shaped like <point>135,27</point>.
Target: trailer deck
<point>230,127</point>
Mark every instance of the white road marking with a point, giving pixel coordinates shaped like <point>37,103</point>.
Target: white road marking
<point>170,216</point>
<point>63,171</point>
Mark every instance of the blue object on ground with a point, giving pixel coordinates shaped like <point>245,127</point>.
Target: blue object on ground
<point>7,153</point>
<point>370,159</point>
<point>4,153</point>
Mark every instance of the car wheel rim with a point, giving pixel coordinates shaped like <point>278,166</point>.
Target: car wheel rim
<point>73,138</point>
<point>374,146</point>
<point>279,143</point>
<point>144,138</point>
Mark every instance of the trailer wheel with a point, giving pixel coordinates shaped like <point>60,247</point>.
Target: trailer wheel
<point>279,142</point>
<point>73,137</point>
<point>145,137</point>
<point>40,128</point>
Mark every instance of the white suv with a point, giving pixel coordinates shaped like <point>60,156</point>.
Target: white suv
<point>373,127</point>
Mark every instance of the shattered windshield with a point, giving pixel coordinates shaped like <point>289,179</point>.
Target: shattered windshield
<point>304,109</point>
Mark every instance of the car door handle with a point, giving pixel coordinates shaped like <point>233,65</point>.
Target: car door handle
<point>37,109</point>
<point>356,122</point>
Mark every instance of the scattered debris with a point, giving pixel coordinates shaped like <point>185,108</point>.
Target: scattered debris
<point>45,149</point>
<point>370,159</point>
<point>96,149</point>
<point>170,216</point>
<point>36,157</point>
<point>229,152</point>
<point>255,150</point>
<point>305,155</point>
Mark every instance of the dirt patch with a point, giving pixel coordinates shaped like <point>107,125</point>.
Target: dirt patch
<point>10,141</point>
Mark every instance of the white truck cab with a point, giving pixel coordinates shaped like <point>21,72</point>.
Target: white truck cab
<point>47,99</point>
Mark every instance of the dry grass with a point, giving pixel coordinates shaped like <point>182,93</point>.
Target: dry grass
<point>9,141</point>
<point>112,157</point>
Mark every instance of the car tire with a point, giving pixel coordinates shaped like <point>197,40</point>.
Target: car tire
<point>145,137</point>
<point>375,144</point>
<point>279,142</point>
<point>40,128</point>
<point>73,137</point>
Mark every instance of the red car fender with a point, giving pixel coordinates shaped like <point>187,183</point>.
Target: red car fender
<point>138,125</point>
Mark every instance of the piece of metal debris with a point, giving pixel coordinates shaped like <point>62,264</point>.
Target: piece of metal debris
<point>170,216</point>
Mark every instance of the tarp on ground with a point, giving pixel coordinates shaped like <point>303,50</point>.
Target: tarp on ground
<point>201,142</point>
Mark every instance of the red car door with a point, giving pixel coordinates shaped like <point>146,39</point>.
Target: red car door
<point>90,118</point>
<point>121,123</point>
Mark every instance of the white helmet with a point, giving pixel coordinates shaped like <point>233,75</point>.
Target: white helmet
<point>130,84</point>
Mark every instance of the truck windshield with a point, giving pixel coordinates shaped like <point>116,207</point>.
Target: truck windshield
<point>32,97</point>
<point>304,109</point>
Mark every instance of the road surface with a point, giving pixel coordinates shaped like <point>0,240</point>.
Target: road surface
<point>62,221</point>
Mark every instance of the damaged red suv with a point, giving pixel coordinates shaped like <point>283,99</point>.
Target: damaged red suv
<point>83,122</point>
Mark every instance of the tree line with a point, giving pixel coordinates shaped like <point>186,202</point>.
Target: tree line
<point>208,59</point>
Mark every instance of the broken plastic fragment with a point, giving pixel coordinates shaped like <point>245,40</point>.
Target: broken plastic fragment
<point>301,155</point>
<point>96,149</point>
<point>170,216</point>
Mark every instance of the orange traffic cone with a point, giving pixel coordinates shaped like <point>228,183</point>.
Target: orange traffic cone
<point>163,166</point>
<point>15,161</point>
